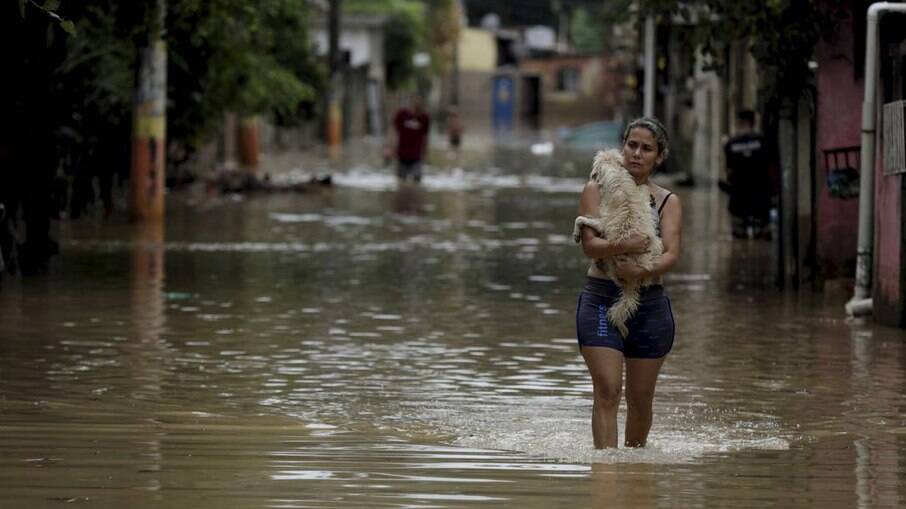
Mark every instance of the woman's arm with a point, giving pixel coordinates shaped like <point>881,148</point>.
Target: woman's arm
<point>597,247</point>
<point>671,236</point>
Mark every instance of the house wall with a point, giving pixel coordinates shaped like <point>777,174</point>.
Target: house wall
<point>888,290</point>
<point>890,284</point>
<point>840,96</point>
<point>839,120</point>
<point>364,40</point>
<point>477,61</point>
<point>594,99</point>
<point>477,50</point>
<point>475,100</point>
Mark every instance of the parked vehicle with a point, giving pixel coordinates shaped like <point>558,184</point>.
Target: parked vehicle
<point>596,135</point>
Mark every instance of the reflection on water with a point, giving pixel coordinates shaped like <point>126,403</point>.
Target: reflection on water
<point>384,346</point>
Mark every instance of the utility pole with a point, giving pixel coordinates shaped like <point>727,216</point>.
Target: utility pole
<point>454,76</point>
<point>149,147</point>
<point>648,106</point>
<point>334,117</point>
<point>789,197</point>
<point>454,71</point>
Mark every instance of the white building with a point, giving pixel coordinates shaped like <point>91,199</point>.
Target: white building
<point>361,39</point>
<point>364,82</point>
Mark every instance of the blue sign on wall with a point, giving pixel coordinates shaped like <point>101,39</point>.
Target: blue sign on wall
<point>502,102</point>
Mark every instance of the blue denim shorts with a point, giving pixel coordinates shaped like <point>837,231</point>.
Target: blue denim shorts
<point>651,327</point>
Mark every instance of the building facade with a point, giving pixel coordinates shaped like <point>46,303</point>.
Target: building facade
<point>840,86</point>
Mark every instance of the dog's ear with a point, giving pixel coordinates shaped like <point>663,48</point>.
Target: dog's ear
<point>613,156</point>
<point>604,160</point>
<point>597,168</point>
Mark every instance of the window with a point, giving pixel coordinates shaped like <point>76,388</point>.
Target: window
<point>568,79</point>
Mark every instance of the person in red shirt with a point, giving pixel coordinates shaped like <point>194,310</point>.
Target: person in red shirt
<point>411,126</point>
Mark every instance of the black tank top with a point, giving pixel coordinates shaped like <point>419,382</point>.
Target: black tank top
<point>656,212</point>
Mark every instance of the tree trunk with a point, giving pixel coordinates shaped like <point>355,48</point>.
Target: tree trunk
<point>333,132</point>
<point>247,138</point>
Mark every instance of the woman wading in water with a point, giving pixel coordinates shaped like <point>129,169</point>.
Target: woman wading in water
<point>651,328</point>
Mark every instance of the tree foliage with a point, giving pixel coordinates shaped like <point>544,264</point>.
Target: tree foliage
<point>781,34</point>
<point>223,55</point>
<point>444,18</point>
<point>587,32</point>
<point>49,8</point>
<point>70,93</point>
<point>413,26</point>
<point>232,55</point>
<point>400,44</point>
<point>404,35</point>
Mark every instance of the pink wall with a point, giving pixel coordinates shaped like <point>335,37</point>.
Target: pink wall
<point>839,125</point>
<point>888,244</point>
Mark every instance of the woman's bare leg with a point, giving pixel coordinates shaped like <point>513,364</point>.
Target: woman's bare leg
<point>605,365</point>
<point>641,377</point>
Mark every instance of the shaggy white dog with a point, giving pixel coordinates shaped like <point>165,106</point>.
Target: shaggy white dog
<point>624,210</point>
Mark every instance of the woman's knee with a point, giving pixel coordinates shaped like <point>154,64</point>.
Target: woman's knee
<point>608,394</point>
<point>640,399</point>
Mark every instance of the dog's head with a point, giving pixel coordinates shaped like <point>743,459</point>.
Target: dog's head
<point>605,160</point>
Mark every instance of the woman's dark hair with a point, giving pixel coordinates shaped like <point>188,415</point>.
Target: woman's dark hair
<point>657,129</point>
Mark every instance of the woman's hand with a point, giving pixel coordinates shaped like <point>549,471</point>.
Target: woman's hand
<point>635,244</point>
<point>627,270</point>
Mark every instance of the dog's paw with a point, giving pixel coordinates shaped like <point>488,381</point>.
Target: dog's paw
<point>578,225</point>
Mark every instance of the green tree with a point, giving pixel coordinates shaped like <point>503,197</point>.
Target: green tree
<point>587,32</point>
<point>75,92</point>
<point>443,27</point>
<point>231,55</point>
<point>781,34</point>
<point>400,43</point>
<point>49,8</point>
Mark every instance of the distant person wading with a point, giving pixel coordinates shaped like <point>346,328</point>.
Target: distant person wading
<point>750,183</point>
<point>411,127</point>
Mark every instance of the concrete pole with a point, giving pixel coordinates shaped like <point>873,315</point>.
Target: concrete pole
<point>701,107</point>
<point>148,162</point>
<point>717,114</point>
<point>648,109</point>
<point>562,29</point>
<point>789,198</point>
<point>334,116</point>
<point>866,178</point>
<point>454,76</point>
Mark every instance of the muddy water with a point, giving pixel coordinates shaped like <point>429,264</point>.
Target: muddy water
<point>377,346</point>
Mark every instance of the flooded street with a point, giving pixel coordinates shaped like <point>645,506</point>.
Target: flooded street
<point>373,345</point>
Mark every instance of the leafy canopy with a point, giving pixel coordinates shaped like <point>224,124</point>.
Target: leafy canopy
<point>781,34</point>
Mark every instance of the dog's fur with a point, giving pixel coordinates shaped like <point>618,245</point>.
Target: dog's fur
<point>624,210</point>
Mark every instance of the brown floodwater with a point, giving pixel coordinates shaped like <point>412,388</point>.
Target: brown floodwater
<point>382,346</point>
